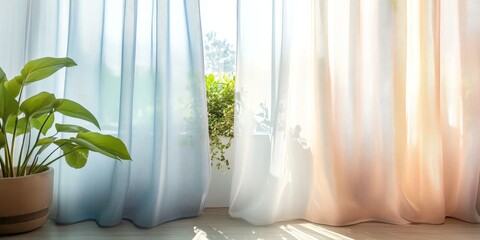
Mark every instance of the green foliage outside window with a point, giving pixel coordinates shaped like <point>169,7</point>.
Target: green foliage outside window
<point>221,110</point>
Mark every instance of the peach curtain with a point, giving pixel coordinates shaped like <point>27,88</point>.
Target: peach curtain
<point>352,111</point>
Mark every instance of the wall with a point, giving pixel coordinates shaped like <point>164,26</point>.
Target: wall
<point>220,184</point>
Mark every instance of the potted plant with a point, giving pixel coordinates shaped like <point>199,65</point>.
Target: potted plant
<point>30,142</point>
<point>221,111</point>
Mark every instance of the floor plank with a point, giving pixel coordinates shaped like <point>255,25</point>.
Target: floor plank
<point>217,224</point>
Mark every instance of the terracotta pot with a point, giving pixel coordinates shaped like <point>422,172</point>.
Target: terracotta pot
<point>24,202</point>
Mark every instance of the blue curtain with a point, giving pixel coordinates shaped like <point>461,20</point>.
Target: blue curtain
<point>140,71</point>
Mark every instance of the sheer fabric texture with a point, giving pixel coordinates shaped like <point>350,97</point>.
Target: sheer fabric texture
<point>140,71</point>
<point>352,111</point>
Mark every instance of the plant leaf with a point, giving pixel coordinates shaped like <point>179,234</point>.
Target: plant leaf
<point>21,124</point>
<point>45,142</point>
<point>73,109</point>
<point>76,157</point>
<point>2,140</point>
<point>8,104</point>
<point>38,105</point>
<point>38,122</point>
<point>70,128</point>
<point>104,144</point>
<point>41,68</point>
<point>13,86</point>
<point>92,147</point>
<point>10,124</point>
<point>59,142</point>
<point>3,77</point>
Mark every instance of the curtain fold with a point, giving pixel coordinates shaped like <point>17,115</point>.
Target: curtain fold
<point>140,71</point>
<point>370,111</point>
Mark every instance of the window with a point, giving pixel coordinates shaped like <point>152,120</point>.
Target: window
<point>219,19</point>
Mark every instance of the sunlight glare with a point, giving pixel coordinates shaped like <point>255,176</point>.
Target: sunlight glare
<point>296,233</point>
<point>413,70</point>
<point>325,232</point>
<point>199,234</point>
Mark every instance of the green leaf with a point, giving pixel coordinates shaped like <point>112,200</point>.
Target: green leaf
<point>41,68</point>
<point>105,144</point>
<point>2,140</point>
<point>38,105</point>
<point>45,143</point>
<point>13,86</point>
<point>21,124</point>
<point>10,124</point>
<point>38,122</point>
<point>3,77</point>
<point>8,104</point>
<point>70,128</point>
<point>92,147</point>
<point>60,142</point>
<point>76,156</point>
<point>47,140</point>
<point>73,109</point>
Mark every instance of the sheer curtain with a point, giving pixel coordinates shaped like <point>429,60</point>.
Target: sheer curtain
<point>351,111</point>
<point>140,71</point>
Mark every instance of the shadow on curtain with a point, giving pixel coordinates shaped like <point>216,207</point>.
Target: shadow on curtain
<point>372,111</point>
<point>140,71</point>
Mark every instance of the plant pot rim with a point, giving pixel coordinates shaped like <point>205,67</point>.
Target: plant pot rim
<point>26,176</point>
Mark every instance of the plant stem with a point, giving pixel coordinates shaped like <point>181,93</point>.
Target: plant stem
<point>30,151</point>
<point>8,158</point>
<point>43,162</point>
<point>12,148</point>
<point>38,135</point>
<point>35,159</point>
<point>6,169</point>
<point>14,136</point>
<point>2,165</point>
<point>34,164</point>
<point>55,159</point>
<point>21,166</point>
<point>27,158</point>
<point>2,162</point>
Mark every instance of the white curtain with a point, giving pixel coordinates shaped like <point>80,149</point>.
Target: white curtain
<point>140,71</point>
<point>352,111</point>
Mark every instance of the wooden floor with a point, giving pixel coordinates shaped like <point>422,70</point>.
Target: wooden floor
<point>215,223</point>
